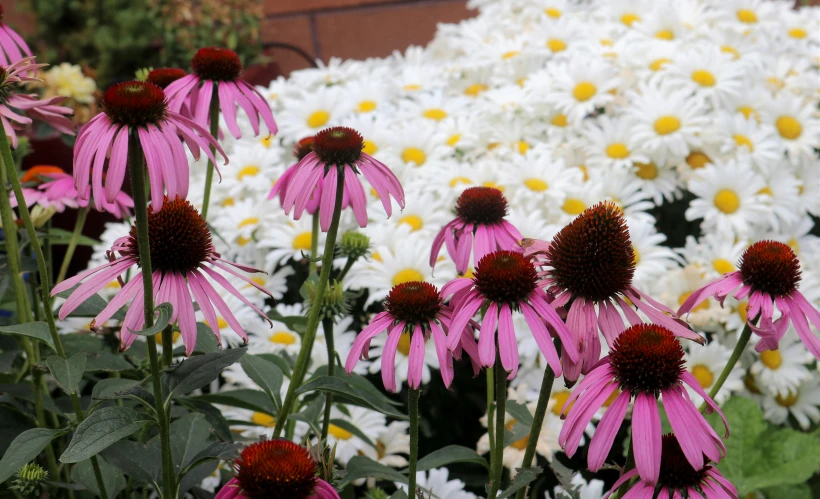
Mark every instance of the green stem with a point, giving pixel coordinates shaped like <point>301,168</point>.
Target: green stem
<point>537,422</point>
<point>49,254</point>
<point>12,248</point>
<point>7,168</point>
<point>327,325</point>
<point>348,265</point>
<point>209,173</point>
<point>500,413</point>
<point>742,341</point>
<point>413,395</point>
<point>490,408</point>
<point>167,346</point>
<point>136,165</point>
<point>72,244</point>
<point>302,360</point>
<point>314,242</point>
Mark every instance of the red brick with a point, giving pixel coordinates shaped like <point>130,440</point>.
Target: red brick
<point>377,31</point>
<point>20,19</point>
<point>294,30</point>
<point>273,7</point>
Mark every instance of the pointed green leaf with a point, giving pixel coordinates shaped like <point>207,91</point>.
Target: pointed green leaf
<point>165,311</point>
<point>265,374</point>
<point>448,455</point>
<point>340,387</point>
<point>67,372</point>
<point>83,473</point>
<point>24,448</point>
<point>364,467</point>
<point>521,480</point>
<point>36,330</point>
<point>101,429</point>
<point>196,372</point>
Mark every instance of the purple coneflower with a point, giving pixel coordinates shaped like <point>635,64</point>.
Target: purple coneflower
<point>504,282</point>
<point>415,309</point>
<point>337,151</point>
<point>216,74</point>
<point>140,108</point>
<point>479,228</point>
<point>13,46</point>
<point>678,479</point>
<point>274,469</point>
<point>588,267</point>
<point>300,150</point>
<point>182,256</point>
<point>768,274</point>
<point>162,77</point>
<point>646,363</point>
<point>17,110</point>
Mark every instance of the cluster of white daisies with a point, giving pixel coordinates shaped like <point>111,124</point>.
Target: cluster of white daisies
<point>559,104</point>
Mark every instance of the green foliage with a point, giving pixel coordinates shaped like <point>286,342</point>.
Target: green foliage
<point>117,37</point>
<point>449,455</point>
<point>30,480</point>
<point>24,448</point>
<point>101,429</point>
<point>762,456</point>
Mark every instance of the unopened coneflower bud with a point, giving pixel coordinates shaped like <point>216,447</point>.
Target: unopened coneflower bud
<point>354,245</point>
<point>30,480</point>
<point>335,302</point>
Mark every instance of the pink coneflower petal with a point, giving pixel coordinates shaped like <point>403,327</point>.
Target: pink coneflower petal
<point>465,312</point>
<point>90,287</point>
<point>507,345</point>
<point>646,437</point>
<point>606,431</point>
<point>542,338</point>
<point>693,383</point>
<point>358,199</point>
<point>801,324</point>
<point>328,201</point>
<point>119,300</point>
<point>629,475</point>
<point>677,411</point>
<point>415,361</point>
<point>445,360</point>
<point>117,165</point>
<point>224,310</point>
<point>539,304</point>
<point>186,316</point>
<point>389,359</point>
<point>583,412</point>
<point>228,108</point>
<point>486,337</point>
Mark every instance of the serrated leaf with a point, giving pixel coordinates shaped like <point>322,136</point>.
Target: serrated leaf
<point>338,386</point>
<point>448,455</point>
<point>196,372</point>
<point>24,448</point>
<point>67,372</point>
<point>364,467</point>
<point>36,330</point>
<point>521,480</point>
<point>265,374</point>
<point>101,429</point>
<point>165,311</point>
<point>83,473</point>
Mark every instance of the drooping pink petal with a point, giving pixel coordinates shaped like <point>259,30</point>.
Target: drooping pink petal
<point>445,358</point>
<point>646,437</point>
<point>582,413</point>
<point>415,363</point>
<point>507,345</point>
<point>486,336</point>
<point>389,359</point>
<point>463,315</point>
<point>606,431</point>
<point>542,338</point>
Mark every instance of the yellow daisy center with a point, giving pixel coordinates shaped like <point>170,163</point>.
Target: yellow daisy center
<point>536,184</point>
<point>747,111</point>
<point>510,54</point>
<point>646,171</point>
<point>703,78</point>
<point>247,222</point>
<point>522,147</point>
<point>697,160</point>
<point>787,401</point>
<point>742,140</point>
<point>414,221</point>
<point>339,433</point>
<point>453,140</point>
<point>742,310</point>
<point>412,87</point>
<point>636,255</point>
<point>617,151</point>
<point>414,155</point>
<point>657,64</point>
<point>407,275</point>
<point>630,18</point>
<point>665,34</point>
<point>556,45</point>
<point>798,33</point>
<point>475,89</point>
<point>435,114</point>
<point>747,16</point>
<point>553,12</point>
<point>248,171</point>
<point>584,91</point>
<point>369,147</point>
<point>727,201</point>
<point>766,190</point>
<point>302,241</point>
<point>730,50</point>
<point>228,202</point>
<point>722,265</point>
<point>366,106</point>
<point>459,180</point>
<point>262,419</point>
<point>685,296</point>
<point>573,206</point>
<point>788,127</point>
<point>318,118</point>
<point>559,120</point>
<point>560,399</point>
<point>404,344</point>
<point>667,124</point>
<point>282,338</point>
<point>704,375</point>
<point>771,359</point>
<point>242,241</point>
<point>266,141</point>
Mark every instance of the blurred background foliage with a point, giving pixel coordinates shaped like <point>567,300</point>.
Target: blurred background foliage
<point>111,39</point>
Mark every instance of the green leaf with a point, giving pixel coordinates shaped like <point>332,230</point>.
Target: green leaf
<point>62,236</point>
<point>295,323</point>
<point>136,459</point>
<point>399,494</point>
<point>99,356</point>
<point>364,467</point>
<point>265,374</point>
<point>165,310</point>
<point>760,455</point>
<point>111,388</point>
<point>101,429</point>
<point>67,372</point>
<point>91,307</point>
<point>214,416</point>
<point>339,386</point>
<point>215,451</point>
<point>521,480</point>
<point>448,455</point>
<point>24,448</point>
<point>801,491</point>
<point>196,372</point>
<point>205,341</point>
<point>351,428</point>
<point>36,330</point>
<point>252,400</point>
<point>520,413</point>
<point>83,473</point>
<point>189,435</point>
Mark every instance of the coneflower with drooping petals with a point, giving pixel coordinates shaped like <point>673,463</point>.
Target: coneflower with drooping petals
<point>18,110</point>
<point>337,151</point>
<point>300,150</point>
<point>415,309</point>
<point>646,363</point>
<point>588,267</point>
<point>216,75</point>
<point>51,187</point>
<point>505,282</point>
<point>478,229</point>
<point>678,478</point>
<point>183,261</point>
<point>768,273</point>
<point>276,469</point>
<point>138,107</point>
<point>12,44</point>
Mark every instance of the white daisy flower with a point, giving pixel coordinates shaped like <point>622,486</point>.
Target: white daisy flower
<point>348,444</point>
<point>577,87</point>
<point>705,363</point>
<point>436,481</point>
<point>803,403</point>
<point>781,371</point>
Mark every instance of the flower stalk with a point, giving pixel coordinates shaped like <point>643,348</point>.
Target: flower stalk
<point>303,359</point>
<point>72,243</point>
<point>327,325</point>
<point>413,395</point>
<point>497,465</point>
<point>209,173</point>
<point>742,341</point>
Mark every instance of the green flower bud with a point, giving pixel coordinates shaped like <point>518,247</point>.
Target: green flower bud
<point>30,480</point>
<point>334,304</point>
<point>354,245</point>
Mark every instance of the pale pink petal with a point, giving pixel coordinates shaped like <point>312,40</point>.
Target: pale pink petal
<point>646,437</point>
<point>606,431</point>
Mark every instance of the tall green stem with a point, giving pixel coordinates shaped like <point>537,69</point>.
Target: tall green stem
<point>209,173</point>
<point>302,360</point>
<point>7,169</point>
<point>500,413</point>
<point>136,166</point>
<point>742,341</point>
<point>314,242</point>
<point>537,422</point>
<point>72,244</point>
<point>12,250</point>
<point>413,395</point>
<point>490,408</point>
<point>327,325</point>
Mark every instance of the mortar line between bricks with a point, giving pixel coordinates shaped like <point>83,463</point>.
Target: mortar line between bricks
<point>360,7</point>
<point>314,37</point>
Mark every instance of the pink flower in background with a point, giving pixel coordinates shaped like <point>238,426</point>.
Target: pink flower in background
<point>768,274</point>
<point>276,468</point>
<point>478,229</point>
<point>18,110</point>
<point>183,258</point>
<point>588,267</point>
<point>506,281</point>
<point>13,46</point>
<point>646,362</point>
<point>137,108</point>
<point>216,74</point>
<point>678,479</point>
<point>414,311</point>
<point>337,151</point>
